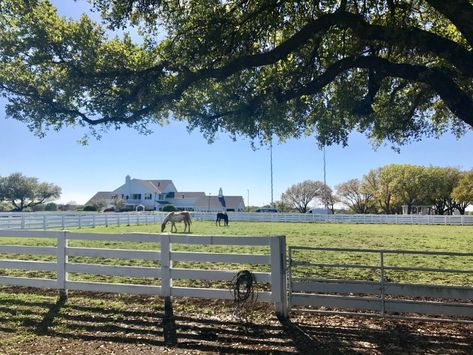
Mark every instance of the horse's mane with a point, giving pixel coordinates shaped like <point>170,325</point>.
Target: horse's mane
<point>168,217</point>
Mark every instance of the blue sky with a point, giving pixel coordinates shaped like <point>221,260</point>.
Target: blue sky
<point>172,153</point>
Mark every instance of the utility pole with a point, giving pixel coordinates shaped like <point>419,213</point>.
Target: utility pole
<point>325,172</point>
<point>271,162</point>
<point>248,199</point>
<point>325,179</point>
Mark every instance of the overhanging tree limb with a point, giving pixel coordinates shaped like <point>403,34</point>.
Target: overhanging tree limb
<point>459,12</point>
<point>239,61</point>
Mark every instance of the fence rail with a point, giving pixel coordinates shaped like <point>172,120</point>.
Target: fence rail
<point>51,220</point>
<point>38,220</point>
<point>383,296</point>
<point>275,292</point>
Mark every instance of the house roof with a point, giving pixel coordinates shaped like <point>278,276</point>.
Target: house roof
<point>216,202</point>
<point>155,185</point>
<point>179,194</point>
<point>101,195</point>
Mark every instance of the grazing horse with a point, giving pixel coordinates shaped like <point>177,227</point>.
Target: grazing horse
<point>174,217</point>
<point>221,216</point>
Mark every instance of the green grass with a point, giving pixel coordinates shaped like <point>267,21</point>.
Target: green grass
<point>390,237</point>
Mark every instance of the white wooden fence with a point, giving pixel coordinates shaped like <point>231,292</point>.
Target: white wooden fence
<point>343,218</point>
<point>275,279</point>
<point>39,220</point>
<point>384,297</point>
<point>51,220</point>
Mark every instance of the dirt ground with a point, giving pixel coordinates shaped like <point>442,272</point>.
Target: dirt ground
<point>145,325</point>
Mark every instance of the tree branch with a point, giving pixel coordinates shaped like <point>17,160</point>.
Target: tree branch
<point>459,12</point>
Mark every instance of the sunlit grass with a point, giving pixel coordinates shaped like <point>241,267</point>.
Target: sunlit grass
<point>387,237</point>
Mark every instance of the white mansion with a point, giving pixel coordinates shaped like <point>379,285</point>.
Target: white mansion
<point>154,194</point>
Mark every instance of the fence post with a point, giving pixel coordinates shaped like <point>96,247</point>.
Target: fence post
<point>278,275</point>
<point>61,264</point>
<point>44,222</point>
<point>166,282</point>
<point>289,279</point>
<point>23,222</point>
<point>382,281</point>
<point>62,222</point>
<point>80,221</point>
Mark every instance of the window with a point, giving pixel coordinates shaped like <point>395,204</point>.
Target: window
<point>148,196</point>
<point>136,196</point>
<point>170,194</point>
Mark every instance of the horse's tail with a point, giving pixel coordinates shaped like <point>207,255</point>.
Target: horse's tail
<point>187,217</point>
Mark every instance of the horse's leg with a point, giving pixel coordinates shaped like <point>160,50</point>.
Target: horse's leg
<point>173,227</point>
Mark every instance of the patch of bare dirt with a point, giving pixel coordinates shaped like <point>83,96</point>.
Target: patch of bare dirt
<point>112,324</point>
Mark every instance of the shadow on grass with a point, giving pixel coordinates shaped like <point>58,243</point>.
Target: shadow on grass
<point>156,322</point>
<point>53,311</point>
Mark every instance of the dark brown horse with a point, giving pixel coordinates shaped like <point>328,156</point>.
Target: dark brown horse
<point>222,216</point>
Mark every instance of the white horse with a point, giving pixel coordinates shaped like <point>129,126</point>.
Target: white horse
<point>174,217</point>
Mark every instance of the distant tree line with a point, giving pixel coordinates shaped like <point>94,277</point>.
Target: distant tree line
<point>299,197</point>
<point>387,189</point>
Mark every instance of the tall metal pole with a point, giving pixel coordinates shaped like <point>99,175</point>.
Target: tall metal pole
<point>248,199</point>
<point>271,160</point>
<point>325,180</point>
<point>325,172</point>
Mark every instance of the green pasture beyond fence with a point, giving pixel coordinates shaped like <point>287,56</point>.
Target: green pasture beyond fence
<point>413,268</point>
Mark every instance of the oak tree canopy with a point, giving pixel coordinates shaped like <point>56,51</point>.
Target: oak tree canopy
<point>395,69</point>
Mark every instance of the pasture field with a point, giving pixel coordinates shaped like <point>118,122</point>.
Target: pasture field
<point>389,237</point>
<point>36,321</point>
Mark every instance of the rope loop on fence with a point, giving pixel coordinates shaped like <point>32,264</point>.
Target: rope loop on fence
<point>244,294</point>
<point>243,286</point>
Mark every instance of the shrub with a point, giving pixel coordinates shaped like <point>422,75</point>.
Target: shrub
<point>5,207</point>
<point>51,206</point>
<point>169,208</point>
<point>90,208</point>
<point>38,208</point>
